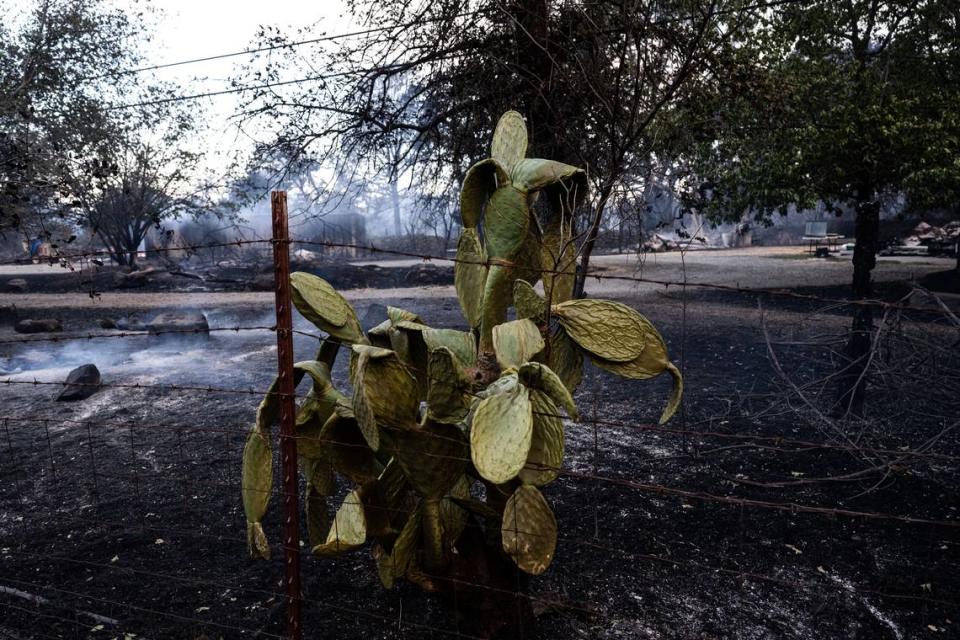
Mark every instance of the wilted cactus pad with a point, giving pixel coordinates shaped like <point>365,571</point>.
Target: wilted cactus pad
<point>439,417</point>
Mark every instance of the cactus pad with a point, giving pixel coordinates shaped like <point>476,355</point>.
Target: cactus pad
<point>501,433</point>
<point>529,530</point>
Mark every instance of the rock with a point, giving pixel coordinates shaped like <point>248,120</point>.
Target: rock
<point>374,315</point>
<point>46,325</point>
<point>179,321</point>
<point>16,285</point>
<point>107,323</point>
<point>82,382</point>
<point>428,274</point>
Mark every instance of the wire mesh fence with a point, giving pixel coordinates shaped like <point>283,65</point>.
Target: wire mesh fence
<point>758,511</point>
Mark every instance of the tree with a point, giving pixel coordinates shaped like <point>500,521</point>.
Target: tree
<point>150,184</point>
<point>61,65</point>
<point>597,82</point>
<point>846,102</point>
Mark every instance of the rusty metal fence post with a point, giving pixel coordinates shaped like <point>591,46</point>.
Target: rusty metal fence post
<point>288,441</point>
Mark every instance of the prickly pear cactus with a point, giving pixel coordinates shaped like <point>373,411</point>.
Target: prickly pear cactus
<point>436,414</point>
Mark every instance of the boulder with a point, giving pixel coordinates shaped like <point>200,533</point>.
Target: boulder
<point>82,382</point>
<point>179,321</point>
<point>107,323</point>
<point>16,285</point>
<point>46,325</point>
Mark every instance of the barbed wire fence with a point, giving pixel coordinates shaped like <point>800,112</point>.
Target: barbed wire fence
<point>130,525</point>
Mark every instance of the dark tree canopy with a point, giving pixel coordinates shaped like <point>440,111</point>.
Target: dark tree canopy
<point>598,83</point>
<point>59,65</point>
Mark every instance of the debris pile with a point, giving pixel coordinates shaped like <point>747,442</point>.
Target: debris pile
<point>937,240</point>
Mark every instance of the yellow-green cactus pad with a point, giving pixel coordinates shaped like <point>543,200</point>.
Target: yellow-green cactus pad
<point>539,376</point>
<point>462,344</point>
<point>546,447</point>
<point>528,302</point>
<point>506,222</point>
<point>319,303</point>
<point>385,393</point>
<point>432,457</point>
<point>481,180</point>
<point>500,434</point>
<point>604,328</point>
<point>470,275</point>
<point>447,399</point>
<point>516,342</point>
<point>349,528</point>
<point>509,140</point>
<point>529,530</point>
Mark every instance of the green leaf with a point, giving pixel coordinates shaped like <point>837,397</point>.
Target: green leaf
<point>516,342</point>
<point>558,257</point>
<point>529,530</point>
<point>509,140</point>
<point>500,434</point>
<point>406,544</point>
<point>319,303</point>
<point>604,328</point>
<point>320,484</point>
<point>256,481</point>
<point>453,517</point>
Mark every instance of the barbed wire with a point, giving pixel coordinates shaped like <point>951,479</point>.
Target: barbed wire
<point>792,507</point>
<point>593,543</point>
<point>146,333</point>
<point>679,284</point>
<point>287,45</point>
<point>573,475</point>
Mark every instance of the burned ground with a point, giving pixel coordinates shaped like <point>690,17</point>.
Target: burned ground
<point>126,505</point>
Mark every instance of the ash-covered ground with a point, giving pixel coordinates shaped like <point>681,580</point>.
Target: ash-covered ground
<point>120,514</point>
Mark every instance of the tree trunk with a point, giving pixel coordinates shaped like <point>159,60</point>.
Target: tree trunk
<point>536,65</point>
<point>852,379</point>
<point>591,240</point>
<point>395,199</point>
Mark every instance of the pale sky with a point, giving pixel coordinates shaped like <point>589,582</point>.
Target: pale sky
<point>199,28</point>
